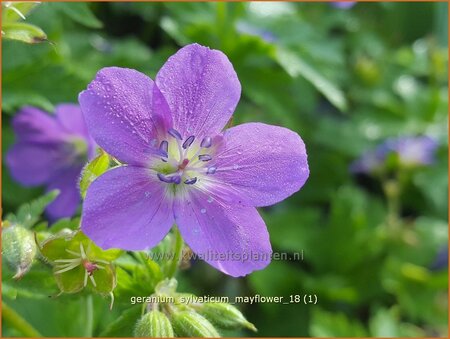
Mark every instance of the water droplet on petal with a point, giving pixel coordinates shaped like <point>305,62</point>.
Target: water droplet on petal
<point>203,211</point>
<point>210,199</point>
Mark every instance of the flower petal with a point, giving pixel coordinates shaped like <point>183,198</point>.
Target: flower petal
<point>33,164</point>
<point>33,125</point>
<point>71,119</point>
<point>201,88</point>
<point>127,208</point>
<point>233,239</point>
<point>124,112</point>
<point>66,204</point>
<point>259,164</point>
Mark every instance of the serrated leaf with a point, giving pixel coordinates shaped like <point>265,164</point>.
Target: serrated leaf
<point>295,66</point>
<point>23,32</point>
<point>92,170</point>
<point>79,12</point>
<point>28,214</point>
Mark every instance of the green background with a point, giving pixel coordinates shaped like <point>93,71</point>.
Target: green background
<point>345,80</point>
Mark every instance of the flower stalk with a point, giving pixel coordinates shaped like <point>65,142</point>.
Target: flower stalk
<point>16,321</point>
<point>177,252</point>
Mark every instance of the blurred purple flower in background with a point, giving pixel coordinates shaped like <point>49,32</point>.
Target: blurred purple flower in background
<point>249,29</point>
<point>441,260</point>
<point>51,150</point>
<point>411,151</point>
<point>343,4</point>
<point>181,168</point>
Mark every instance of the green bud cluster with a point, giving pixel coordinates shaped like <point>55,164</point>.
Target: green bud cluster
<point>176,318</point>
<point>154,324</point>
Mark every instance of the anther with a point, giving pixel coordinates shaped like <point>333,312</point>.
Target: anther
<point>204,157</point>
<point>176,179</point>
<point>175,133</point>
<point>211,170</point>
<point>188,142</point>
<point>165,178</point>
<point>164,148</point>
<point>191,181</point>
<point>206,142</point>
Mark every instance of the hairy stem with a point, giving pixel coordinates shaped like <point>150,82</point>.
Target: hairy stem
<point>16,321</point>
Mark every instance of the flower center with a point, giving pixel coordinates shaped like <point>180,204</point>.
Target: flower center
<point>184,160</point>
<point>77,151</point>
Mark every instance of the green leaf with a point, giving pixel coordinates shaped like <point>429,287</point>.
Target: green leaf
<point>38,283</point>
<point>79,12</point>
<point>23,32</point>
<point>123,325</point>
<point>295,66</point>
<point>327,324</point>
<point>92,170</point>
<point>15,11</point>
<point>384,323</point>
<point>29,214</point>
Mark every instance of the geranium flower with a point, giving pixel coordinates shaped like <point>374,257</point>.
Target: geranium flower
<point>51,150</point>
<point>411,151</point>
<point>180,168</point>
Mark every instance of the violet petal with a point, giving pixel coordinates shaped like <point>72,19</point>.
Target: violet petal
<point>127,208</point>
<point>201,88</point>
<point>233,239</point>
<point>266,165</point>
<point>125,112</point>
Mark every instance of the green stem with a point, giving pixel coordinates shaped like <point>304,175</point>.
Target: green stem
<point>89,317</point>
<point>177,251</point>
<point>16,321</point>
<point>392,192</point>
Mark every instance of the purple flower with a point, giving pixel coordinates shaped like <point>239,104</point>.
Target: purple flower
<point>411,152</point>
<point>343,4</point>
<point>180,168</point>
<point>51,151</point>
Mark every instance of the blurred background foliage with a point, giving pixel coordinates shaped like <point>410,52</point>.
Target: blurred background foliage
<point>345,80</point>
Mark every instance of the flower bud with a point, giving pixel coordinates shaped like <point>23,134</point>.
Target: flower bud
<point>153,324</point>
<point>18,249</point>
<point>225,316</point>
<point>192,324</point>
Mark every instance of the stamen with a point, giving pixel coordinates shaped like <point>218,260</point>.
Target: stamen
<point>188,142</point>
<point>164,148</point>
<point>204,157</point>
<point>164,178</point>
<point>206,142</point>
<point>191,181</point>
<point>92,280</point>
<point>176,179</point>
<point>211,170</point>
<point>175,134</point>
